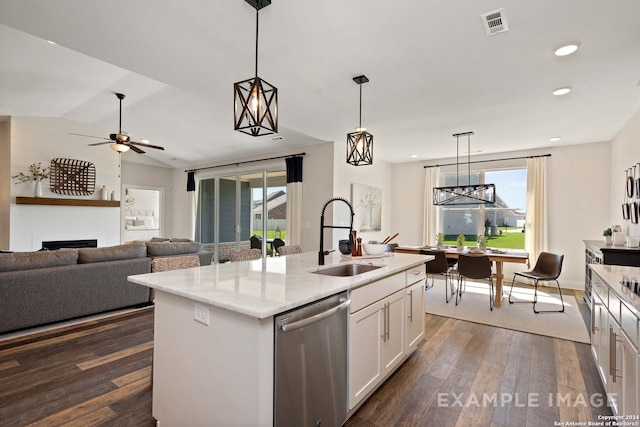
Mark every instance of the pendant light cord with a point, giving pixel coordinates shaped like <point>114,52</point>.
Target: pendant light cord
<point>257,15</point>
<point>360,119</point>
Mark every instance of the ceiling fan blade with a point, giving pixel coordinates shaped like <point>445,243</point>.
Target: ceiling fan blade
<point>87,136</point>
<point>157,147</point>
<point>136,149</point>
<point>99,143</point>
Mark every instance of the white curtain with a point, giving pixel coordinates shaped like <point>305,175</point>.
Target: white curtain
<point>294,213</point>
<point>536,224</point>
<point>431,219</point>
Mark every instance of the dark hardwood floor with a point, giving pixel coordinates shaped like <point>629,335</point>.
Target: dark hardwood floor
<point>98,374</point>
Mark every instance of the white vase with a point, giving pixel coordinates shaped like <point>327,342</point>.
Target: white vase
<point>37,190</point>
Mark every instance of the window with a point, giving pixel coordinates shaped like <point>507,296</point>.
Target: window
<point>502,222</point>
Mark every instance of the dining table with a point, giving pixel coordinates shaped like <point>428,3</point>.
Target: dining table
<point>498,256</point>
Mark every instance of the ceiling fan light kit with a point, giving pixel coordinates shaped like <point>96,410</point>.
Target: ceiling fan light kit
<point>255,100</point>
<point>464,195</point>
<point>360,142</point>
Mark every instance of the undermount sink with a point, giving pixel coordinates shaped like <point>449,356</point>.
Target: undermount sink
<point>344,270</point>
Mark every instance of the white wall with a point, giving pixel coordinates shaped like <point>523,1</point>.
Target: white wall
<point>625,152</point>
<point>578,198</point>
<point>35,139</point>
<point>376,175</point>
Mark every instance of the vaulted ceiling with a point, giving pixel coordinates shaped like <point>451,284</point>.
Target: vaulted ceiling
<point>433,70</point>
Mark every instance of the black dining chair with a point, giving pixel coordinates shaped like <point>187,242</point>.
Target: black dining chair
<point>439,266</point>
<point>256,243</point>
<point>276,245</point>
<point>547,269</point>
<point>475,267</point>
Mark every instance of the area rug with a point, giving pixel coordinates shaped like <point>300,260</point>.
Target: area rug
<point>474,307</point>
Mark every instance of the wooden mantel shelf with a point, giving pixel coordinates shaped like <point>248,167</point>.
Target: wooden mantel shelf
<point>66,202</point>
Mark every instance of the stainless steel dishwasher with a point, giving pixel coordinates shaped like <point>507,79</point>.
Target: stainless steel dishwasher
<point>311,364</point>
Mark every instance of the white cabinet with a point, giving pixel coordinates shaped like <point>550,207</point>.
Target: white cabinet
<point>600,336</point>
<point>623,372</point>
<point>393,333</point>
<point>414,329</point>
<point>365,346</point>
<point>386,323</point>
<point>614,345</point>
<point>376,344</point>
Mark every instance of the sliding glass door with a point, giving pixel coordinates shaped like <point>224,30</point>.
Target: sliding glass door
<point>233,208</point>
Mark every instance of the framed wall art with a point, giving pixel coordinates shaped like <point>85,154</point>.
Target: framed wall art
<point>367,205</point>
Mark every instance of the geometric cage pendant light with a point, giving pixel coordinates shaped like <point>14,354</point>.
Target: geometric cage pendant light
<point>360,142</point>
<point>464,195</point>
<point>255,100</point>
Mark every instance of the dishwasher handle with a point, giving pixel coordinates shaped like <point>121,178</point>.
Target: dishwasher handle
<point>289,327</point>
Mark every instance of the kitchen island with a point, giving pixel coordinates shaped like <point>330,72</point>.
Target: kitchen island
<point>214,330</point>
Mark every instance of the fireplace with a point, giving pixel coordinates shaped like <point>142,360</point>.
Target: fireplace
<point>57,244</point>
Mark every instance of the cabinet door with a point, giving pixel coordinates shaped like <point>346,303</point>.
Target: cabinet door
<point>602,321</point>
<point>596,328</point>
<point>393,344</point>
<point>365,332</point>
<point>624,372</point>
<point>414,300</point>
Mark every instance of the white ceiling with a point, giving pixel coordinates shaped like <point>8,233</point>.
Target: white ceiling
<point>433,71</point>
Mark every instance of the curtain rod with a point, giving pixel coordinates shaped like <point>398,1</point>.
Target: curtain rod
<point>247,161</point>
<point>492,160</point>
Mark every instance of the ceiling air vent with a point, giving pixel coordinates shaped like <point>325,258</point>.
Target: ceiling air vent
<point>495,22</point>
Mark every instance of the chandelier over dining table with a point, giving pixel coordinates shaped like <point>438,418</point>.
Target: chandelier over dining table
<point>461,194</point>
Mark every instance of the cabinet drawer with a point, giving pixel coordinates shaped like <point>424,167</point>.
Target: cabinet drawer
<point>614,306</point>
<point>415,275</point>
<point>629,324</point>
<point>368,294</point>
<point>600,289</point>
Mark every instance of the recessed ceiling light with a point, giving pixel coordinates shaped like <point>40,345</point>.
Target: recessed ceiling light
<point>555,139</point>
<point>413,156</point>
<point>566,49</point>
<point>562,90</point>
<point>51,42</point>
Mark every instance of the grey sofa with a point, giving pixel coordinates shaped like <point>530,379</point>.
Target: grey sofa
<point>38,288</point>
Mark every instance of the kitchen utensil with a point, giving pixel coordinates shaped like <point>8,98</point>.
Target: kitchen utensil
<point>638,183</point>
<point>634,204</point>
<point>390,239</point>
<point>625,206</point>
<point>630,184</point>
<point>359,252</point>
<point>385,239</point>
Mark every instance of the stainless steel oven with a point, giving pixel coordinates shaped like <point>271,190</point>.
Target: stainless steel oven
<point>311,364</point>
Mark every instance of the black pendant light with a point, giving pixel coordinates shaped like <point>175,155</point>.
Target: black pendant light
<point>360,142</point>
<point>464,195</point>
<point>255,100</point>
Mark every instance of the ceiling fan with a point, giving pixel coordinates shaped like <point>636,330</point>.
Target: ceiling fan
<point>121,141</point>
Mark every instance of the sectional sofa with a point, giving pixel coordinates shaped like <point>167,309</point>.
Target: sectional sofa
<point>43,287</point>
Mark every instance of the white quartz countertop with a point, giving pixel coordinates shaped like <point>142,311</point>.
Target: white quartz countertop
<point>614,275</point>
<point>264,288</point>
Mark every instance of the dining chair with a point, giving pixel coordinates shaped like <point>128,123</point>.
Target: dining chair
<point>290,250</point>
<point>439,266</point>
<point>547,269</point>
<point>475,267</point>
<point>256,243</point>
<point>245,254</point>
<point>277,243</point>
